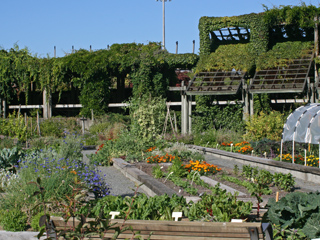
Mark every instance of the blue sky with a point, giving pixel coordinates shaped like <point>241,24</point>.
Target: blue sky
<point>40,25</point>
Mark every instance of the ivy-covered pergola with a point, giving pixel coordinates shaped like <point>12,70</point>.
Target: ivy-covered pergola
<point>88,75</point>
<point>273,52</point>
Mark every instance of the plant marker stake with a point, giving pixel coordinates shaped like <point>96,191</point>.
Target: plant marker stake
<point>252,152</point>
<point>217,145</point>
<point>193,177</point>
<point>281,149</point>
<point>293,151</point>
<point>167,177</point>
<point>265,154</point>
<point>277,196</point>
<point>113,214</point>
<point>231,147</point>
<point>305,157</point>
<point>176,215</point>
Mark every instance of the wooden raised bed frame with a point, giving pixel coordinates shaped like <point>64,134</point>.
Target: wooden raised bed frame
<point>181,230</point>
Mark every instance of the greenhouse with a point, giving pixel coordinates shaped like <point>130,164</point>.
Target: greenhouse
<point>303,125</point>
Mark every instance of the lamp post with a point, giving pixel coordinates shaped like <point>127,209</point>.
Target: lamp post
<point>163,24</point>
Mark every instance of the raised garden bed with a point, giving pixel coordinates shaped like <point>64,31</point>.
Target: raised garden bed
<point>147,168</point>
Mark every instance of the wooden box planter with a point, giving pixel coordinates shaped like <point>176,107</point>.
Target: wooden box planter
<point>181,230</point>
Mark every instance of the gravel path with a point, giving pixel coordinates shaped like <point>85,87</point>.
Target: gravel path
<point>300,184</point>
<point>119,184</point>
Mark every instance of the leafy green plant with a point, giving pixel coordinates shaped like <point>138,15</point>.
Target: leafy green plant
<point>177,168</point>
<point>296,211</point>
<point>51,127</point>
<point>284,181</point>
<point>249,172</point>
<point>157,172</point>
<point>236,170</point>
<point>9,157</point>
<point>13,220</point>
<point>286,233</point>
<point>264,145</point>
<point>142,207</point>
<point>257,184</point>
<point>219,206</point>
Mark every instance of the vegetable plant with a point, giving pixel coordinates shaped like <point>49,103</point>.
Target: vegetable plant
<point>296,210</point>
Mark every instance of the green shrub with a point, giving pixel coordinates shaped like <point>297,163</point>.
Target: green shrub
<point>104,122</point>
<point>56,127</point>
<point>264,125</point>
<point>14,126</point>
<point>147,116</point>
<point>13,220</point>
<point>43,142</point>
<point>51,127</point>
<point>127,145</point>
<point>7,142</point>
<point>212,137</point>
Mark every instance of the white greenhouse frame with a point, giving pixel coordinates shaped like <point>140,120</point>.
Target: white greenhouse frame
<point>303,125</point>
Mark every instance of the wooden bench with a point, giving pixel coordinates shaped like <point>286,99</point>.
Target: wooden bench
<point>182,230</point>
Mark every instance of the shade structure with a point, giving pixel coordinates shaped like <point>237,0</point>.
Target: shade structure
<point>303,125</point>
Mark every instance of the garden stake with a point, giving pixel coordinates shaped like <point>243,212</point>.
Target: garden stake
<point>277,196</point>
<point>281,148</point>
<point>167,177</point>
<point>305,157</point>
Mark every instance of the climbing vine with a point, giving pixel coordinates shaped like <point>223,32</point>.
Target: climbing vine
<point>149,68</point>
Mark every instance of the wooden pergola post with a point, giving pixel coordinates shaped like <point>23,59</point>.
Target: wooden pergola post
<point>47,105</point>
<point>189,113</point>
<point>245,99</point>
<point>184,110</point>
<point>4,108</point>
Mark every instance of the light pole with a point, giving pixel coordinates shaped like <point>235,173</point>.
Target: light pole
<point>163,24</point>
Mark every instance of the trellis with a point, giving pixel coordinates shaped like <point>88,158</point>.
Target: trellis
<point>216,83</point>
<point>289,79</point>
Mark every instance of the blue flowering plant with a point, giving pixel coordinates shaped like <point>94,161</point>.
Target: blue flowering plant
<point>60,171</point>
